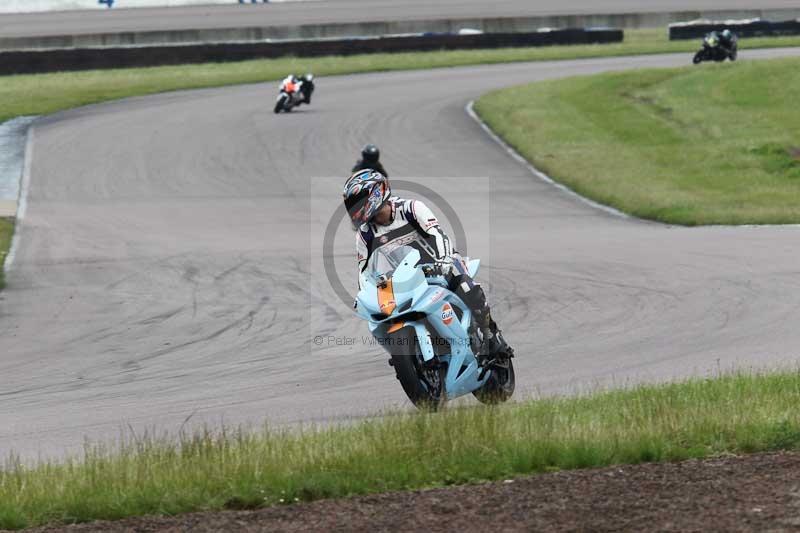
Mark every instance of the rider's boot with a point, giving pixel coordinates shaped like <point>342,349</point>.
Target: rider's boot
<point>494,345</point>
<point>497,346</point>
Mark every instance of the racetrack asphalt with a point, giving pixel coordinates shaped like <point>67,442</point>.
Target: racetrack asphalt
<point>169,270</point>
<point>338,11</point>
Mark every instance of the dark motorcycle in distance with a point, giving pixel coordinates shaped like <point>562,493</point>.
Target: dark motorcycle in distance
<point>714,49</point>
<point>294,92</point>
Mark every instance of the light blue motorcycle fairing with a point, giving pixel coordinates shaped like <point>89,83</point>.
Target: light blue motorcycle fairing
<point>417,295</point>
<point>472,267</point>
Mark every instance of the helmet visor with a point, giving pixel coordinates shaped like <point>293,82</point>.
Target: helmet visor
<point>362,206</point>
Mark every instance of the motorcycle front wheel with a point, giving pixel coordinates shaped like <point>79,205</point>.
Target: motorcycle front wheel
<point>423,384</point>
<point>698,57</point>
<point>499,387</point>
<point>280,103</point>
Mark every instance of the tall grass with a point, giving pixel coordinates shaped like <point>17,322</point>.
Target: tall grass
<point>204,471</point>
<point>712,144</point>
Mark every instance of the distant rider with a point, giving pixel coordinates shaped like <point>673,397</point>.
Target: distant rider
<point>307,87</point>
<point>727,40</point>
<point>370,158</point>
<point>384,219</point>
<point>304,84</point>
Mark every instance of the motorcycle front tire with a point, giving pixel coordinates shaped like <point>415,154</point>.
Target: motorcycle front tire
<point>280,104</point>
<point>499,386</point>
<point>698,57</point>
<point>408,367</point>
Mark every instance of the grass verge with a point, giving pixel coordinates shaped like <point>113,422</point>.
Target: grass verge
<point>716,144</point>
<point>693,419</point>
<point>6,232</point>
<point>42,94</point>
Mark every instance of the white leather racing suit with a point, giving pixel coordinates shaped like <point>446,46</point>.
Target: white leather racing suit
<point>412,218</point>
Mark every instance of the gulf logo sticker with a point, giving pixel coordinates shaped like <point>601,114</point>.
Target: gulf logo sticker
<point>447,314</point>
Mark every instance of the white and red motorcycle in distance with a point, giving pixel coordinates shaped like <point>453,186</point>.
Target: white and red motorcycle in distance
<point>293,92</point>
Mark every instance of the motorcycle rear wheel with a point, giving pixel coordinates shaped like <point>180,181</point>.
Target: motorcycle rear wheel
<point>499,387</point>
<point>424,385</point>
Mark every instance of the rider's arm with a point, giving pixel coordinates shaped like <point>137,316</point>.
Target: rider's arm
<point>430,225</point>
<point>361,253</point>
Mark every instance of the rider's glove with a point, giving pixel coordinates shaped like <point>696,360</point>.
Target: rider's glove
<point>446,266</point>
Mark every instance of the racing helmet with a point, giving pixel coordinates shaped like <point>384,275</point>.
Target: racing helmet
<point>726,34</point>
<point>364,194</point>
<point>370,154</point>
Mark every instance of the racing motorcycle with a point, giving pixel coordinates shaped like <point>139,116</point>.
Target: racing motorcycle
<point>427,329</point>
<point>713,50</point>
<point>294,92</point>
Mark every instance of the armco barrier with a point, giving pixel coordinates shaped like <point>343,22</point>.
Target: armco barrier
<point>38,61</point>
<point>744,28</point>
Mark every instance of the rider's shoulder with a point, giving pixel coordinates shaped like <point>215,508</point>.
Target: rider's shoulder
<point>412,207</point>
<point>398,203</point>
<point>420,208</point>
<point>406,205</point>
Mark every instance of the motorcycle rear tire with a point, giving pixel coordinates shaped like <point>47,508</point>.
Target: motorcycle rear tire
<point>407,363</point>
<point>499,387</point>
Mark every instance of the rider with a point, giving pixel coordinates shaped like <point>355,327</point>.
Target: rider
<point>307,87</point>
<point>726,40</point>
<point>384,219</point>
<point>370,158</point>
<point>304,84</point>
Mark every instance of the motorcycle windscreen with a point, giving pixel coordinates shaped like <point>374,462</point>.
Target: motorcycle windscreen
<point>386,258</point>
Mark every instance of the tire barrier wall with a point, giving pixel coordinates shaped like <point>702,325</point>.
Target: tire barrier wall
<point>744,28</point>
<point>39,61</point>
<point>140,37</point>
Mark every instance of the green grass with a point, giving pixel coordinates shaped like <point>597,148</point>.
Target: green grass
<point>6,231</point>
<point>46,93</point>
<point>714,144</point>
<point>693,419</point>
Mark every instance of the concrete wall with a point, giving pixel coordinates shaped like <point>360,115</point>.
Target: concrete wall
<point>488,25</point>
